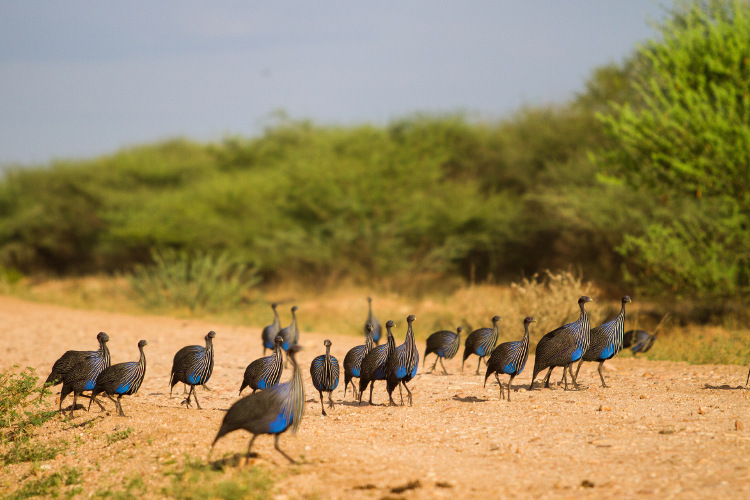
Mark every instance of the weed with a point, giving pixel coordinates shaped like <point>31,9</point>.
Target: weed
<point>50,485</point>
<point>197,480</point>
<point>24,450</point>
<point>118,435</point>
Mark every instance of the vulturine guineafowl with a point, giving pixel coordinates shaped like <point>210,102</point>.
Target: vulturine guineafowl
<point>290,334</point>
<point>122,379</point>
<point>563,347</point>
<point>193,366</point>
<point>481,342</point>
<point>268,337</point>
<point>402,367</point>
<point>353,360</point>
<point>377,330</point>
<point>272,411</point>
<point>324,372</point>
<point>265,372</point>
<point>81,376</point>
<point>605,341</point>
<point>70,358</point>
<point>444,344</point>
<point>374,365</point>
<point>640,341</point>
<point>509,358</point>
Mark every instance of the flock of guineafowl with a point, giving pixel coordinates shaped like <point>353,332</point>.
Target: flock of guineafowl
<point>274,407</point>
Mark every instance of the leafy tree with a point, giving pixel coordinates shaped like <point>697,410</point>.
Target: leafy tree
<point>685,136</point>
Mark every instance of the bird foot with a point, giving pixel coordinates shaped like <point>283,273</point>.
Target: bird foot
<point>185,402</point>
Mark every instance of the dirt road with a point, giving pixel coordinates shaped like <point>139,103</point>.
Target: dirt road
<point>667,429</point>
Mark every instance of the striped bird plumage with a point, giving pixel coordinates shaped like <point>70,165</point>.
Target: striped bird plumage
<point>353,359</point>
<point>444,344</point>
<point>374,364</point>
<point>377,330</point>
<point>324,372</point>
<point>605,341</point>
<point>290,334</point>
<point>268,337</point>
<point>121,379</point>
<point>265,372</point>
<point>481,342</point>
<point>272,411</point>
<point>81,376</point>
<point>402,367</point>
<point>563,347</point>
<point>71,358</point>
<point>193,366</point>
<point>509,358</point>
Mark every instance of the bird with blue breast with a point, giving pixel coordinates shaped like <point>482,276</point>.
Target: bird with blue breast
<point>563,346</point>
<point>273,411</point>
<point>377,330</point>
<point>509,358</point>
<point>374,365</point>
<point>268,336</point>
<point>290,334</point>
<point>481,342</point>
<point>402,366</point>
<point>69,359</point>
<point>324,372</point>
<point>605,341</point>
<point>265,372</point>
<point>81,376</point>
<point>353,360</point>
<point>121,379</point>
<point>640,341</point>
<point>444,344</point>
<point>193,365</point>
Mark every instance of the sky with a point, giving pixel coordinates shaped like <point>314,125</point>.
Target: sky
<point>79,79</point>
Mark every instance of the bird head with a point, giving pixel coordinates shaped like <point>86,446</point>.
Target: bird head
<point>279,340</point>
<point>327,343</point>
<point>210,335</point>
<point>368,327</point>
<point>294,309</point>
<point>388,325</point>
<point>410,318</point>
<point>459,330</point>
<point>529,320</point>
<point>584,299</point>
<point>274,305</point>
<point>142,343</point>
<point>102,337</point>
<point>495,319</point>
<point>626,298</point>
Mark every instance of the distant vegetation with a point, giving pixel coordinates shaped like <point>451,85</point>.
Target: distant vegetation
<point>640,183</point>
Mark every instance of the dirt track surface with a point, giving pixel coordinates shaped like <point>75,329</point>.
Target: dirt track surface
<point>667,429</point>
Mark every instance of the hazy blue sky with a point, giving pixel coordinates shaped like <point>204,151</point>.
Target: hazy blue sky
<point>83,78</point>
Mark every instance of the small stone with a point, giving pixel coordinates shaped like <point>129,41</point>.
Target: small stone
<point>701,411</point>
<point>643,396</point>
<point>738,425</point>
<point>587,484</point>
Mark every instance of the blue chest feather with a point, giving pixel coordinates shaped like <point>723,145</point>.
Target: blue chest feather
<point>194,379</point>
<point>89,385</point>
<point>577,354</point>
<point>608,352</point>
<point>401,372</point>
<point>262,384</point>
<point>355,372</point>
<point>122,388</point>
<point>279,424</point>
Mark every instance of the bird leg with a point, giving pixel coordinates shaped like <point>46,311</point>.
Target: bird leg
<point>72,408</point>
<point>330,400</point>
<point>579,368</point>
<point>565,376</point>
<point>249,447</point>
<point>101,406</point>
<point>195,396</point>
<point>408,393</point>
<point>401,394</point>
<point>435,364</point>
<point>600,373</point>
<point>276,445</point>
<point>118,403</point>
<point>206,387</point>
<point>479,363</point>
<point>572,377</point>
<point>443,366</point>
<point>372,384</point>
<point>545,381</point>
<point>321,402</point>
<point>502,392</point>
<point>510,382</point>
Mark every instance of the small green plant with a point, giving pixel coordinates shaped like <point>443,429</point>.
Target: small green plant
<point>27,450</point>
<point>195,280</point>
<point>20,404</point>
<point>49,486</point>
<point>118,435</point>
<point>197,479</point>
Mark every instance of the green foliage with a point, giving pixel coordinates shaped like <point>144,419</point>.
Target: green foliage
<point>200,480</point>
<point>20,405</point>
<point>118,435</point>
<point>685,136</point>
<point>49,486</point>
<point>194,280</point>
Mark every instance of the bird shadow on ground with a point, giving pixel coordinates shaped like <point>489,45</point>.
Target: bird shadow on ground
<point>724,387</point>
<point>469,399</point>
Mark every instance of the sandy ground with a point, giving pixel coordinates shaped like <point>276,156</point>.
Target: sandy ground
<point>668,429</point>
